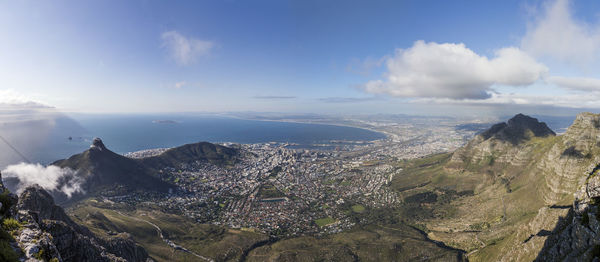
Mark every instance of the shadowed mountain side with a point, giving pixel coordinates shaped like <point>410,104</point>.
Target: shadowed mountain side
<point>203,151</point>
<point>518,129</point>
<point>102,169</point>
<point>501,142</point>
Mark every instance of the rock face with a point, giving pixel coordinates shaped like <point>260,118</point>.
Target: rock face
<point>524,177</point>
<point>576,236</point>
<point>503,142</point>
<point>48,233</point>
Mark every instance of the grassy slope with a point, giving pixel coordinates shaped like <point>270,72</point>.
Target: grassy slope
<point>210,241</point>
<point>370,243</point>
<point>477,223</point>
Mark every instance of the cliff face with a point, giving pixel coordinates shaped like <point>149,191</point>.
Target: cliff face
<point>576,236</point>
<point>43,232</point>
<point>523,177</point>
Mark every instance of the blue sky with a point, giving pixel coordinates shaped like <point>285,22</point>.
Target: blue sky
<point>432,57</point>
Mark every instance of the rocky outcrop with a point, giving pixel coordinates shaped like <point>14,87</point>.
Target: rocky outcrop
<point>576,236</point>
<point>502,143</point>
<point>524,177</point>
<point>48,233</point>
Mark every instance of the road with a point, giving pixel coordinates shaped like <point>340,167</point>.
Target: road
<point>168,241</point>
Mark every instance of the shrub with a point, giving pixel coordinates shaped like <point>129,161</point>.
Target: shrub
<point>6,252</point>
<point>11,224</point>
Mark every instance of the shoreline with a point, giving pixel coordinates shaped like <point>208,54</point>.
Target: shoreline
<point>386,134</point>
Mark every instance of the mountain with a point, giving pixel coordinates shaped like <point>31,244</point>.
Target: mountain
<point>101,170</point>
<point>502,195</point>
<point>34,228</point>
<point>502,142</point>
<point>203,151</point>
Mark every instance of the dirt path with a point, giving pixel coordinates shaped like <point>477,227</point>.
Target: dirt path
<point>168,241</point>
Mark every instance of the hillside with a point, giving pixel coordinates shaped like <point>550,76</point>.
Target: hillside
<point>100,169</point>
<point>203,151</point>
<point>103,170</point>
<point>500,196</point>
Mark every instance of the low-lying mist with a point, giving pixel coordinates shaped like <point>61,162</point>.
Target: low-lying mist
<point>51,178</point>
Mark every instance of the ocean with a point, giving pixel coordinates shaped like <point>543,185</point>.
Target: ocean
<point>129,133</point>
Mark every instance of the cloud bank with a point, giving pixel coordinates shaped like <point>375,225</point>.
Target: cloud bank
<point>576,83</point>
<point>51,178</point>
<point>454,71</point>
<point>557,34</point>
<point>185,50</point>
<point>12,98</point>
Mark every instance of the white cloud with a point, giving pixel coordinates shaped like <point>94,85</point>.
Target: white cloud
<point>576,100</point>
<point>49,178</point>
<point>11,97</point>
<point>185,50</point>
<point>555,33</point>
<point>576,83</point>
<point>454,71</point>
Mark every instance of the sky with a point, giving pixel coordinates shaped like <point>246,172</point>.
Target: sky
<point>309,56</point>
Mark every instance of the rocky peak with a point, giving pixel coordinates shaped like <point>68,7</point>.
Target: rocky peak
<point>584,122</point>
<point>539,129</point>
<point>518,128</point>
<point>36,200</point>
<point>98,144</point>
<point>50,233</point>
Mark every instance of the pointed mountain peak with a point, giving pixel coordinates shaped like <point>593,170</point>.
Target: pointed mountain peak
<point>539,129</point>
<point>98,144</point>
<point>518,128</point>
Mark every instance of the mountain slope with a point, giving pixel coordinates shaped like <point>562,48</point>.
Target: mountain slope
<point>203,151</point>
<point>516,179</point>
<point>39,230</point>
<point>102,169</point>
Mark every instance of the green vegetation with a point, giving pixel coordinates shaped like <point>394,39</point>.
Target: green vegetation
<point>216,154</point>
<point>275,171</point>
<point>396,242</point>
<point>10,224</point>
<point>325,221</point>
<point>215,242</point>
<point>268,190</point>
<point>39,255</point>
<point>358,208</point>
<point>6,252</point>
